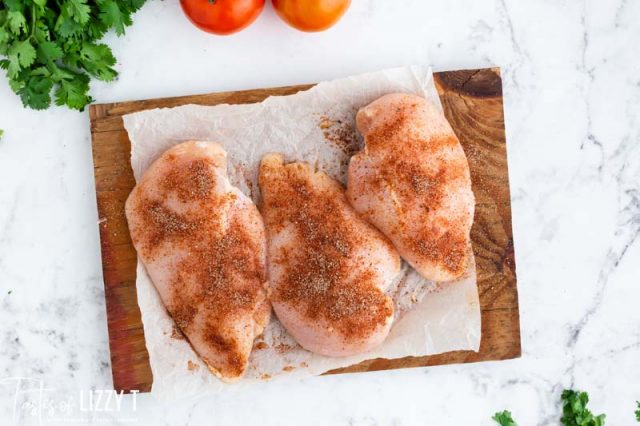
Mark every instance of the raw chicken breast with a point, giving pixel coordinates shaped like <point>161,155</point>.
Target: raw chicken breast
<point>328,268</point>
<point>412,182</point>
<point>203,244</point>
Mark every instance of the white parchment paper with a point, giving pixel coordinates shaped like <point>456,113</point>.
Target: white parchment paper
<point>316,126</point>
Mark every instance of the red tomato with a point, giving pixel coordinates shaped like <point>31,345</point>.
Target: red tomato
<point>311,15</point>
<point>222,16</point>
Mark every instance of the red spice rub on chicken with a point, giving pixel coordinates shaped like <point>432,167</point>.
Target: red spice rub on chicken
<point>412,182</point>
<point>328,268</point>
<point>203,244</point>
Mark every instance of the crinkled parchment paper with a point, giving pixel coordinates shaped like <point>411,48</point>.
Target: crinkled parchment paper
<point>316,126</point>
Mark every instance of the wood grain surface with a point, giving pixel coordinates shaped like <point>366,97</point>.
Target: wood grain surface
<point>472,101</point>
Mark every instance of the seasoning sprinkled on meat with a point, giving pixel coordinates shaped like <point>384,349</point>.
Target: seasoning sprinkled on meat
<point>328,267</point>
<point>203,245</point>
<point>412,182</point>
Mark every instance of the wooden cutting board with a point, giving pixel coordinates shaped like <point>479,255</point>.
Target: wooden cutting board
<point>472,101</point>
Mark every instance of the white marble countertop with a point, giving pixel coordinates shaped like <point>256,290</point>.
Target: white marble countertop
<point>572,99</point>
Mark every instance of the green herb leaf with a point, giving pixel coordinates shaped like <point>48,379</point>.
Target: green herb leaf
<point>4,39</point>
<point>97,59</point>
<point>77,10</point>
<point>575,412</point>
<point>66,26</point>
<point>36,92</point>
<point>50,46</point>
<point>14,4</point>
<point>134,5</point>
<point>12,65</point>
<point>112,16</point>
<point>638,412</point>
<point>24,51</point>
<point>49,52</point>
<point>504,418</point>
<point>74,93</point>
<point>17,22</point>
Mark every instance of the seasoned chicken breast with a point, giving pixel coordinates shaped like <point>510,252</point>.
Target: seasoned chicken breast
<point>412,182</point>
<point>328,268</point>
<point>203,244</point>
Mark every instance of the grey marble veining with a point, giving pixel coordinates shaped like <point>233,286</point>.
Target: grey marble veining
<point>571,78</point>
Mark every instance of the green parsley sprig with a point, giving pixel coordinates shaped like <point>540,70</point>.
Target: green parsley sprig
<point>503,418</point>
<point>52,45</point>
<point>575,412</point>
<point>638,412</point>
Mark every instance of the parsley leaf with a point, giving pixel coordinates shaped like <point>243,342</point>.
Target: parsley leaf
<point>24,51</point>
<point>504,418</point>
<point>77,10</point>
<point>111,15</point>
<point>16,22</point>
<point>575,412</point>
<point>49,52</point>
<point>73,93</point>
<point>97,60</point>
<point>4,38</point>
<point>36,92</point>
<point>48,46</point>
<point>12,65</point>
<point>638,412</point>
<point>66,26</point>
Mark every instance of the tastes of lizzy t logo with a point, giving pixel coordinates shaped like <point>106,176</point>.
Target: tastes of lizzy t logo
<point>30,402</point>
